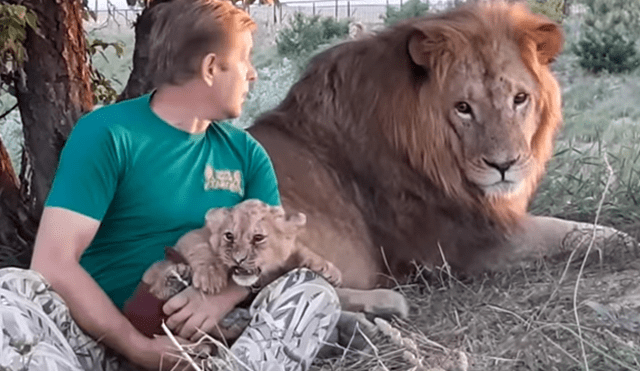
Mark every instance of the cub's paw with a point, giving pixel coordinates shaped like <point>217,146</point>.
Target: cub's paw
<point>159,278</point>
<point>331,273</point>
<point>177,279</point>
<point>209,279</point>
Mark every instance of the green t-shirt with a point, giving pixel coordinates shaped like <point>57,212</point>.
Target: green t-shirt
<point>149,183</point>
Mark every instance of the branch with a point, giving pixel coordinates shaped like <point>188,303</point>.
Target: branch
<point>9,111</point>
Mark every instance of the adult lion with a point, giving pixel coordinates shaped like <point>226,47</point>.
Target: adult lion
<point>427,139</point>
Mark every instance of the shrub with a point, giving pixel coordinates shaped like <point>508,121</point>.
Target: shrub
<point>306,34</point>
<point>609,33</point>
<point>410,9</point>
<point>606,51</point>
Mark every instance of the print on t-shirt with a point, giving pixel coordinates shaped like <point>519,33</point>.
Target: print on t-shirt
<point>230,180</point>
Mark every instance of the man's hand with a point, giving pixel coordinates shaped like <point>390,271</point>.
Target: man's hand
<point>192,310</point>
<point>159,353</point>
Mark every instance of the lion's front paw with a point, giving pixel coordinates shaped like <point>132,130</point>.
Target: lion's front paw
<point>209,279</point>
<point>609,243</point>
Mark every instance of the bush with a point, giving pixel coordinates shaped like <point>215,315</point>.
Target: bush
<point>306,34</point>
<point>609,33</point>
<point>410,9</point>
<point>606,51</point>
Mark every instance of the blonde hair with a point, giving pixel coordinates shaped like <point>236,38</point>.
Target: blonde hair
<point>185,31</point>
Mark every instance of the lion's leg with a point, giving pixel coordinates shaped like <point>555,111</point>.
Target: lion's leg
<point>354,325</point>
<point>353,331</point>
<point>377,302</point>
<point>542,237</point>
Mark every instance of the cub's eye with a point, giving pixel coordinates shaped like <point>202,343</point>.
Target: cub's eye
<point>463,108</point>
<point>228,236</point>
<point>259,238</point>
<point>520,98</point>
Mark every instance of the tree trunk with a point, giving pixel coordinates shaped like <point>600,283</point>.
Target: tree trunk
<point>53,91</point>
<point>140,82</point>
<point>17,226</point>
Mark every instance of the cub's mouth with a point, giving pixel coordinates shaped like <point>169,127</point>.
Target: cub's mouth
<point>245,277</point>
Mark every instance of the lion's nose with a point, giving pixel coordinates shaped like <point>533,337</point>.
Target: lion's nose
<point>502,167</point>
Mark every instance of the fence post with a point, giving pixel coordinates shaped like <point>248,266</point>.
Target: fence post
<point>336,10</point>
<point>348,9</point>
<point>314,8</point>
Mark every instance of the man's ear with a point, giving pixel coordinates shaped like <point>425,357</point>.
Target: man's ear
<point>208,68</point>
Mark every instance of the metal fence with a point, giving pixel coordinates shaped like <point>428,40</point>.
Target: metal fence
<point>363,11</point>
<point>356,10</point>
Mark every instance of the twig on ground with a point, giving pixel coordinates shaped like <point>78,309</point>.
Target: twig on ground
<point>584,261</point>
<point>182,351</point>
<point>445,264</point>
<point>386,264</point>
<point>595,348</point>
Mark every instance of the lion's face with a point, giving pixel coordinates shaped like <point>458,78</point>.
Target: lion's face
<point>253,239</point>
<point>490,104</point>
<point>489,107</point>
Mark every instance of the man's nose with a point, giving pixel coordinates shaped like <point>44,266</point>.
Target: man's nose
<point>252,74</point>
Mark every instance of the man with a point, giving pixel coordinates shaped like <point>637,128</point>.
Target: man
<point>134,177</point>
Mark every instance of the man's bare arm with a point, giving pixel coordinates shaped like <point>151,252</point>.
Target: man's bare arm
<point>62,237</point>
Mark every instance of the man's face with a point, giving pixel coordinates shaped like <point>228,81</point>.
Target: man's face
<point>234,74</point>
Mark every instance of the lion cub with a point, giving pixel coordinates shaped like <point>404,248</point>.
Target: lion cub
<point>252,243</point>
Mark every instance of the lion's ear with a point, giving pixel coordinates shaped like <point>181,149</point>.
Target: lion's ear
<point>549,39</point>
<point>546,35</point>
<point>215,217</point>
<point>434,46</point>
<point>427,44</point>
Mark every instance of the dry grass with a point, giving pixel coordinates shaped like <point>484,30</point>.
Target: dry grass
<point>522,318</point>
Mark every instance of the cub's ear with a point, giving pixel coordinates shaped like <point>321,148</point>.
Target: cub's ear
<point>276,211</point>
<point>290,223</point>
<point>297,220</point>
<point>215,217</point>
<point>538,33</point>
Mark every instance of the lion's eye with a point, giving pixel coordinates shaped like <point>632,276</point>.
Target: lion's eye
<point>259,238</point>
<point>463,108</point>
<point>520,98</point>
<point>228,236</point>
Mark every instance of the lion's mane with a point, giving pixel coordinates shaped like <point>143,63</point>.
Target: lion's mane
<point>373,119</point>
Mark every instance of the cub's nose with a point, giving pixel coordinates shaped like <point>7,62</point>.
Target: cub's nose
<point>239,257</point>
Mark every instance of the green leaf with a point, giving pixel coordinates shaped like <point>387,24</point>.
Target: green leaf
<point>119,47</point>
<point>32,20</point>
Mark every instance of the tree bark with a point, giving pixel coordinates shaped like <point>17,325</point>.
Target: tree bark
<point>140,82</point>
<point>17,226</point>
<point>53,90</point>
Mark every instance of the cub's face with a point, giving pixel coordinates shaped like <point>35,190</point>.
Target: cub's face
<point>490,104</point>
<point>253,239</point>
